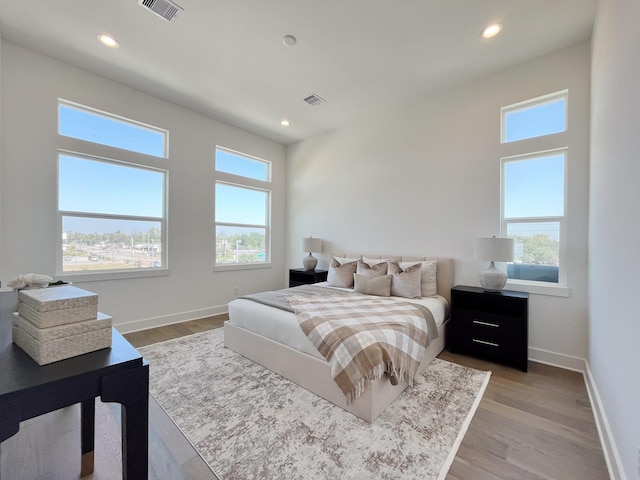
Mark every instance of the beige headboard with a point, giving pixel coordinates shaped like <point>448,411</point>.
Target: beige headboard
<point>444,274</point>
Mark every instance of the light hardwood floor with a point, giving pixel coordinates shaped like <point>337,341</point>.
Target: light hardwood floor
<point>528,426</point>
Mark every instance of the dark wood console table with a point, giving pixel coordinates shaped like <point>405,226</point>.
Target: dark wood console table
<point>117,374</point>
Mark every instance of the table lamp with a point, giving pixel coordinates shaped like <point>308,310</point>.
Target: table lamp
<point>311,245</point>
<point>493,250</point>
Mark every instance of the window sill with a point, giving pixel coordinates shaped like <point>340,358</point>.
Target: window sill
<point>240,266</point>
<point>116,275</point>
<point>538,288</point>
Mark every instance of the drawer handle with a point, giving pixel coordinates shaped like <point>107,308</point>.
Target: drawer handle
<point>486,324</point>
<point>491,344</point>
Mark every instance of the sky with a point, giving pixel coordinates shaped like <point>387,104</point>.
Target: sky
<point>102,187</point>
<point>108,130</point>
<point>90,185</point>
<point>534,187</point>
<point>543,119</point>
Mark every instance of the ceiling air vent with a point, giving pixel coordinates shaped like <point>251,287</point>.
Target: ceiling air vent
<point>163,8</point>
<point>314,100</point>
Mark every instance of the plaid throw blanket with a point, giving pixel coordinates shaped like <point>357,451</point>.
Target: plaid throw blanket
<point>364,337</point>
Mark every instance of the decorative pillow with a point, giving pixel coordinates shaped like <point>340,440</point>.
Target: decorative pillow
<point>380,286</point>
<point>371,270</point>
<point>374,261</point>
<point>429,269</point>
<point>405,282</point>
<point>341,274</point>
<point>346,259</point>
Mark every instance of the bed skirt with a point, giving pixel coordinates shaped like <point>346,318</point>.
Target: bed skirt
<point>314,374</point>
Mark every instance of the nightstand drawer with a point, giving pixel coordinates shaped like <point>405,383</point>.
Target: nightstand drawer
<point>489,325</point>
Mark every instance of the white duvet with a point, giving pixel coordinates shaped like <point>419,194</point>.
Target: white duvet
<point>282,326</point>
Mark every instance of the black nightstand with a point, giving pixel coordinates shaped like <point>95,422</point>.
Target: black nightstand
<point>491,325</point>
<point>300,276</point>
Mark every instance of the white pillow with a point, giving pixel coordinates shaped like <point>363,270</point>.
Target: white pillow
<point>428,271</point>
<point>374,261</point>
<point>367,270</point>
<point>342,260</point>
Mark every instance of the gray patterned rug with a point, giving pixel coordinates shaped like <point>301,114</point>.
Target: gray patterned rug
<point>249,423</point>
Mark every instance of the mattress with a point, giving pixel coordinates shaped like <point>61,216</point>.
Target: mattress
<point>282,326</point>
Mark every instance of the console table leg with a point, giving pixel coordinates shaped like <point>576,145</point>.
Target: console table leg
<point>87,435</point>
<point>9,419</point>
<point>131,389</point>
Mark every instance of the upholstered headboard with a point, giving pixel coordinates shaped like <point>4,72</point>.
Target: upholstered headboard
<point>444,274</point>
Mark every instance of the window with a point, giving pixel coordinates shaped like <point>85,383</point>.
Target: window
<point>533,214</point>
<point>535,118</point>
<point>91,125</point>
<point>242,210</point>
<point>533,197</point>
<point>111,213</point>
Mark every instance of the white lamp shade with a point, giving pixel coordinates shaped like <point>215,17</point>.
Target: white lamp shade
<point>494,249</point>
<point>311,245</point>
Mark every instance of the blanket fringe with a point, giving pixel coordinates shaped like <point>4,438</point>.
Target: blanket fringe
<point>399,374</point>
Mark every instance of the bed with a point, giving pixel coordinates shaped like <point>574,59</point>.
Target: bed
<point>273,338</point>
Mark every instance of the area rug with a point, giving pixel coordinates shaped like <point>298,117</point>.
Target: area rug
<point>250,423</point>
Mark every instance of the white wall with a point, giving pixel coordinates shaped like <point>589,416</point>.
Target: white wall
<point>1,279</point>
<point>425,179</point>
<point>31,85</point>
<point>614,228</point>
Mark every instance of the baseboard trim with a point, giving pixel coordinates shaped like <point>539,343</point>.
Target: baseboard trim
<point>609,448</point>
<point>145,323</point>
<point>557,359</point>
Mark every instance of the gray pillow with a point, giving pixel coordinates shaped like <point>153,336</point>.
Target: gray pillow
<point>341,274</point>
<point>428,284</point>
<point>405,283</point>
<point>377,270</point>
<point>380,286</point>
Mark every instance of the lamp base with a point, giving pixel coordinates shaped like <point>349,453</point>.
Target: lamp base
<point>309,262</point>
<point>493,279</point>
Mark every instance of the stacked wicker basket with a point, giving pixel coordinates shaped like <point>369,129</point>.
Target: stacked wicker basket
<point>56,323</point>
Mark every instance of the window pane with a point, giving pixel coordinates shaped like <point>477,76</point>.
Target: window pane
<point>94,186</point>
<point>236,164</point>
<point>90,244</point>
<point>85,124</point>
<point>240,245</point>
<point>536,251</point>
<point>535,120</point>
<point>240,205</point>
<point>534,187</point>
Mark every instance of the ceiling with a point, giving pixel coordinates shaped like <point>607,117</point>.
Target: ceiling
<point>226,59</point>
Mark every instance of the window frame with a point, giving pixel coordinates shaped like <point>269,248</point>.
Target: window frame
<point>72,146</point>
<point>225,178</point>
<point>561,220</point>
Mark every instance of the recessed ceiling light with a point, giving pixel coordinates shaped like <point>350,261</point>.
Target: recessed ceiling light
<point>289,40</point>
<point>108,40</point>
<point>492,30</point>
<point>285,123</point>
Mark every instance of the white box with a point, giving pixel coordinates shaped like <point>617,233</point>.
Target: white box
<point>49,307</point>
<point>47,345</point>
